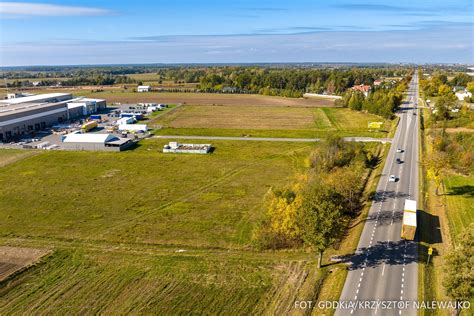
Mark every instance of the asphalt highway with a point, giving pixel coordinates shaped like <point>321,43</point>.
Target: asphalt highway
<point>384,267</point>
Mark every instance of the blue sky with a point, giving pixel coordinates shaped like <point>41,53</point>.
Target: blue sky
<point>141,31</point>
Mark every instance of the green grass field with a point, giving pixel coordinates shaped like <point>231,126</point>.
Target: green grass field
<point>146,232</point>
<point>145,195</point>
<point>267,121</point>
<point>120,282</point>
<point>460,198</point>
<point>117,220</point>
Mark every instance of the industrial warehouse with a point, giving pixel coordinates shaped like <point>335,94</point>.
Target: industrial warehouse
<point>23,115</point>
<point>95,142</point>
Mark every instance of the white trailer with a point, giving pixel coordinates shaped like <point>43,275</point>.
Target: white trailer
<point>409,220</point>
<point>125,120</point>
<point>133,127</point>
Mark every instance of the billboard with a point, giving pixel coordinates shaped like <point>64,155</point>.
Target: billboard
<point>375,124</point>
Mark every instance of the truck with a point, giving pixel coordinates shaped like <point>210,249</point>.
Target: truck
<point>89,126</point>
<point>409,220</point>
<point>96,117</point>
<point>111,128</point>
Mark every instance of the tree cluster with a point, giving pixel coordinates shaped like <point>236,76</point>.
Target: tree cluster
<point>439,85</point>
<point>315,211</point>
<point>382,101</point>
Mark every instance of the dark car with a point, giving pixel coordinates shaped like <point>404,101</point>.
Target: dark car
<point>399,160</point>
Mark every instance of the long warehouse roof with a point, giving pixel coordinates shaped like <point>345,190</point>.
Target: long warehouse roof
<point>37,98</point>
<point>89,138</point>
<point>26,107</point>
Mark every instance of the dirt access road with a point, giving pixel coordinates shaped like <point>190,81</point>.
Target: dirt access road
<point>13,259</point>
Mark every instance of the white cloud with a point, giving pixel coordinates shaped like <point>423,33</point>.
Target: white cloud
<point>45,9</point>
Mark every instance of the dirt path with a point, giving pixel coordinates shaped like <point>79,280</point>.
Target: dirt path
<point>13,259</point>
<point>16,157</point>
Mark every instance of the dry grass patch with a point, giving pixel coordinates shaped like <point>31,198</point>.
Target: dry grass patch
<point>267,118</point>
<point>244,117</point>
<point>8,156</point>
<point>118,94</point>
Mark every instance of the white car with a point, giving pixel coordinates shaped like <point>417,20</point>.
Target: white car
<point>392,178</point>
<point>399,150</point>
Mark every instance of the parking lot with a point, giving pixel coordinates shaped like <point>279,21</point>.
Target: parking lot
<point>51,137</point>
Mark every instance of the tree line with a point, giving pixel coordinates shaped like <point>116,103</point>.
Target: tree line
<point>314,211</point>
<point>93,80</point>
<point>293,82</point>
<point>289,81</point>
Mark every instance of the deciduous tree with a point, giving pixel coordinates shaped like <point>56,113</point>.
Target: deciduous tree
<point>320,217</point>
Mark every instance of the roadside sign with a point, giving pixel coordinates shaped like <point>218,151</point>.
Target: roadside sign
<point>430,251</point>
<point>375,124</point>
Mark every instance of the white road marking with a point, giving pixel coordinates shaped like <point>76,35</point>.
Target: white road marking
<point>405,119</point>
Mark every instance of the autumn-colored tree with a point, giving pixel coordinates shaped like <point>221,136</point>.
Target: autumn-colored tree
<point>280,227</point>
<point>436,164</point>
<point>282,208</point>
<point>347,182</point>
<point>444,89</point>
<point>470,86</point>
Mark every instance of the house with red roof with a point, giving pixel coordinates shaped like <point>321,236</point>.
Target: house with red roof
<point>365,89</point>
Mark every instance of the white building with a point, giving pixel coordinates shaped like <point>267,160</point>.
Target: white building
<point>85,106</point>
<point>143,89</point>
<point>461,95</point>
<point>95,142</point>
<point>18,95</point>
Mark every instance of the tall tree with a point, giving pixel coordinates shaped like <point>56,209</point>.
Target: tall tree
<point>436,165</point>
<point>320,217</point>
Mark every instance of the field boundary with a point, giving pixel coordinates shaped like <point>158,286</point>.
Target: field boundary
<point>16,260</point>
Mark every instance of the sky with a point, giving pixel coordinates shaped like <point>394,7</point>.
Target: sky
<point>240,31</point>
